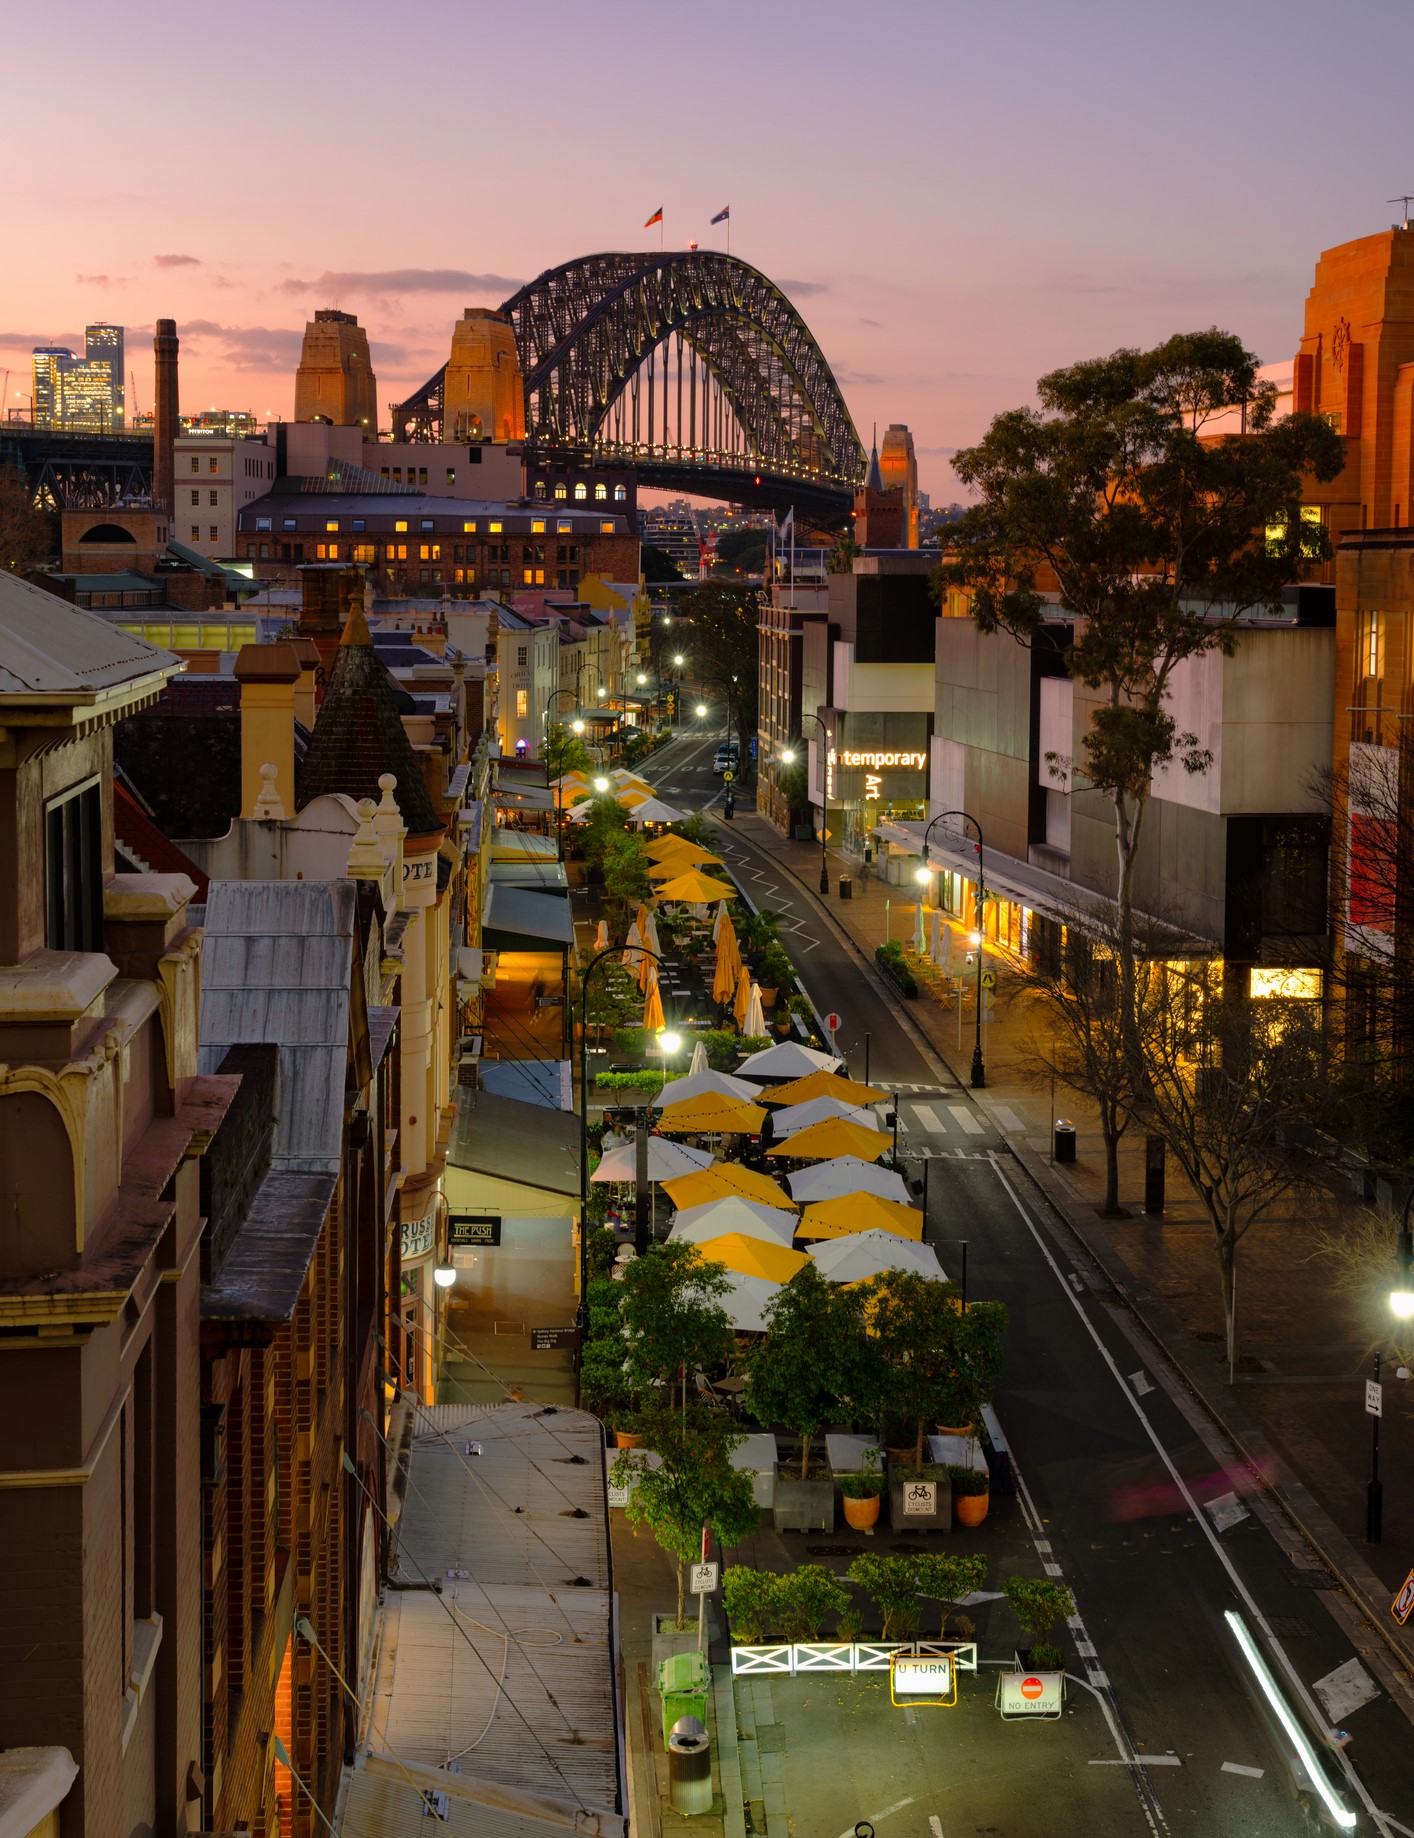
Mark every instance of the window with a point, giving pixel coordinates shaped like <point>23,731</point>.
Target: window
<point>288,523</point>
<point>581,493</point>
<point>214,498</point>
<point>195,463</point>
<point>401,524</point>
<point>196,497</point>
<point>451,475</point>
<point>213,534</point>
<point>539,577</point>
<point>563,527</point>
<point>265,552</point>
<point>421,474</point>
<point>540,488</point>
<point>1371,655</point>
<point>390,553</point>
<point>365,552</point>
<point>426,524</point>
<point>606,529</point>
<point>527,577</point>
<point>327,552</point>
<point>196,532</point>
<point>211,466</point>
<point>494,528</point>
<point>601,494</point>
<point>620,493</point>
<point>360,523</point>
<point>522,702</point>
<point>522,656</point>
<point>397,475</point>
<point>73,870</point>
<point>264,523</point>
<point>331,523</point>
<point>469,529</point>
<point>561,492</point>
<point>537,527</point>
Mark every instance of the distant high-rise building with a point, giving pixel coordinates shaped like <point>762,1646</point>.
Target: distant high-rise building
<point>81,394</point>
<point>48,386</point>
<point>104,343</point>
<point>335,380</point>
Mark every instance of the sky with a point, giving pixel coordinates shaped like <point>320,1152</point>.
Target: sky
<point>957,198</point>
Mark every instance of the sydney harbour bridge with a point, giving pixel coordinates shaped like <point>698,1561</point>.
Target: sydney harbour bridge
<point>692,366</point>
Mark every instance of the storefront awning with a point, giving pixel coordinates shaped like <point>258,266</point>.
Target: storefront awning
<point>517,919</point>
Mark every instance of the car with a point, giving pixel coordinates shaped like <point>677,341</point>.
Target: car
<point>725,760</point>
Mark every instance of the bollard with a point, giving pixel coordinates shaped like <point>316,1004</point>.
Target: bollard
<point>690,1766</point>
<point>1065,1140</point>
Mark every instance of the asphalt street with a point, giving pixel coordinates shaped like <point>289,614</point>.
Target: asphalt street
<point>1120,1473</point>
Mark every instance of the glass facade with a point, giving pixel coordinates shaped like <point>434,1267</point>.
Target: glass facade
<point>84,394</point>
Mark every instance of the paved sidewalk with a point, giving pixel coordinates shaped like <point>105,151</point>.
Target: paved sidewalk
<point>1303,1408</point>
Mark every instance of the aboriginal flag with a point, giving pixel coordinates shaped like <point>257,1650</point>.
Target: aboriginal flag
<point>657,217</point>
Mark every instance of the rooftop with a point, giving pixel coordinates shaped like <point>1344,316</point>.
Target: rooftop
<point>58,652</point>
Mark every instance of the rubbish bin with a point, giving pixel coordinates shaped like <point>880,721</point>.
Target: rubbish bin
<point>690,1766</point>
<point>682,1679</point>
<point>846,887</point>
<point>1065,1140</point>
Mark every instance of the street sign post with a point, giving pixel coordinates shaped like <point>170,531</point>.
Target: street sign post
<point>553,1339</point>
<point>833,1021</point>
<point>1374,1399</point>
<point>1403,1604</point>
<point>704,1578</point>
<point>989,979</point>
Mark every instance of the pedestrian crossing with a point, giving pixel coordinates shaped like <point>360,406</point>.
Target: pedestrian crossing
<point>955,1119</point>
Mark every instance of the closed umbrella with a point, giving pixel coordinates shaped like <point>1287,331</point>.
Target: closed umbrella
<point>755,1022</point>
<point>710,1113</point>
<point>649,935</point>
<point>698,1062</point>
<point>601,936</point>
<point>847,1174</point>
<point>653,1017</point>
<point>866,1254</point>
<point>695,889</point>
<point>720,1083</point>
<point>633,955</point>
<point>861,1212</point>
<point>753,1256</point>
<point>789,1060</point>
<point>640,919</point>
<point>666,1161</point>
<point>723,1180</point>
<point>943,947</point>
<point>818,1110</point>
<point>723,978</point>
<point>718,922</point>
<point>915,944</point>
<point>742,999</point>
<point>823,1085</point>
<point>748,1217</point>
<point>935,934</point>
<point>836,1136</point>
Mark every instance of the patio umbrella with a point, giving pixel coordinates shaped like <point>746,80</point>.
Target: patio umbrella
<point>861,1212</point>
<point>935,934</point>
<point>654,810</point>
<point>742,999</point>
<point>723,978</point>
<point>720,1182</point>
<point>748,1217</point>
<point>653,1017</point>
<point>649,933</point>
<point>666,1161</point>
<point>679,849</point>
<point>711,1113</point>
<point>633,956</point>
<point>717,922</point>
<point>601,936</point>
<point>662,847</point>
<point>836,1136</point>
<point>746,1300</point>
<point>787,1061</point>
<point>818,1110</point>
<point>823,1085</point>
<point>722,1084</point>
<point>854,1260</point>
<point>845,1175</point>
<point>753,1256</point>
<point>755,1022</point>
<point>640,919</point>
<point>569,781</point>
<point>915,944</point>
<point>622,776</point>
<point>695,889</point>
<point>699,1061</point>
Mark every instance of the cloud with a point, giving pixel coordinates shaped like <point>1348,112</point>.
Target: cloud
<point>802,288</point>
<point>251,347</point>
<point>26,341</point>
<point>404,281</point>
<point>864,379</point>
<point>100,280</point>
<point>177,261</point>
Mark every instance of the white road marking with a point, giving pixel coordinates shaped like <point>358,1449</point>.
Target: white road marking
<point>930,1119</point>
<point>1142,1761</point>
<point>964,1119</point>
<point>1141,1383</point>
<point>1237,1767</point>
<point>1007,1117</point>
<point>873,1818</point>
<point>1345,1690</point>
<point>935,1825</point>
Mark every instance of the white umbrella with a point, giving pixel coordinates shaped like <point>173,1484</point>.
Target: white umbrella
<point>935,934</point>
<point>720,1083</point>
<point>847,1174</point>
<point>699,1063</point>
<point>601,937</point>
<point>745,1301</point>
<point>915,944</point>
<point>865,1254</point>
<point>633,955</point>
<point>650,937</point>
<point>789,1060</point>
<point>750,1218</point>
<point>816,1110</point>
<point>717,922</point>
<point>942,943</point>
<point>755,1022</point>
<point>666,1161</point>
<point>653,810</point>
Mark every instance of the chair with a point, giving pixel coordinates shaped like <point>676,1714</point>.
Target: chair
<point>706,1391</point>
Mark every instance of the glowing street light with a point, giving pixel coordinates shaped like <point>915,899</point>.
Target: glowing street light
<point>444,1276</point>
<point>601,785</point>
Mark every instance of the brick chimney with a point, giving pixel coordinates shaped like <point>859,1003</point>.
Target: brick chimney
<point>164,417</point>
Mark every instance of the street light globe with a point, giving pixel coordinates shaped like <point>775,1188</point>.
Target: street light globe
<point>1401,1302</point>
<point>601,784</point>
<point>444,1276</point>
<point>701,709</point>
<point>669,1041</point>
<point>602,692</point>
<point>678,659</point>
<point>923,876</point>
<point>974,939</point>
<point>641,677</point>
<point>788,756</point>
<point>576,727</point>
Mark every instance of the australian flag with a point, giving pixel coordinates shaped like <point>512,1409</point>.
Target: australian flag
<point>723,214</point>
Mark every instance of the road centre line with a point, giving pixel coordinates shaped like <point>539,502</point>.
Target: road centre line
<point>1340,1761</point>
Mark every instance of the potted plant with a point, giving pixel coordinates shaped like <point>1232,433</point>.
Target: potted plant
<point>752,1602</point>
<point>1039,1602</point>
<point>861,1494</point>
<point>971,1493</point>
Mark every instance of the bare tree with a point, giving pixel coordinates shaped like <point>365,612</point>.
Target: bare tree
<point>1358,1250</point>
<point>26,534</point>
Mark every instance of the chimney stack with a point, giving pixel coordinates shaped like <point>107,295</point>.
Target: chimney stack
<point>164,420</point>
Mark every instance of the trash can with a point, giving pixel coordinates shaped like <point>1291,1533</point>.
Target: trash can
<point>690,1766</point>
<point>1065,1140</point>
<point>682,1679</point>
<point>846,887</point>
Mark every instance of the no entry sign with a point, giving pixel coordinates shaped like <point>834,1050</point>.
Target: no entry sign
<point>1030,1694</point>
<point>834,1022</point>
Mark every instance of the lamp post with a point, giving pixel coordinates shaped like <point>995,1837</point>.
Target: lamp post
<point>979,1070</point>
<point>559,797</point>
<point>1401,1303</point>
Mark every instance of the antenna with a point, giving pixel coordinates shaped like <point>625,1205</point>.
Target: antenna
<point>1406,199</point>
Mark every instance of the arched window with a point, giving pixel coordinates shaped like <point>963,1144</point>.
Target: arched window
<point>620,493</point>
<point>581,493</point>
<point>107,532</point>
<point>601,494</point>
<point>560,493</point>
<point>540,488</point>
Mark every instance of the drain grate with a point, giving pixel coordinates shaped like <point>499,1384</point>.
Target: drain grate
<point>833,1550</point>
<point>1311,1579</point>
<point>1288,1627</point>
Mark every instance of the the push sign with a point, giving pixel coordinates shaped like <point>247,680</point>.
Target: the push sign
<point>923,1679</point>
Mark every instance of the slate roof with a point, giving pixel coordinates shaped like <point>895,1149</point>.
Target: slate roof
<point>359,734</point>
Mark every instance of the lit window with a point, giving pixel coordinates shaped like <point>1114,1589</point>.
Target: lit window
<point>331,523</point>
<point>333,551</point>
<point>601,494</point>
<point>196,532</point>
<point>527,577</point>
<point>620,493</point>
<point>607,528</point>
<point>321,550</point>
<point>213,534</point>
<point>451,475</point>
<point>539,577</point>
<point>1294,985</point>
<point>581,493</point>
<point>365,552</point>
<point>522,702</point>
<point>537,527</point>
<point>397,475</point>
<point>563,527</point>
<point>211,467</point>
<point>426,524</point>
<point>1372,644</point>
<point>540,488</point>
<point>421,474</point>
<point>561,493</point>
<point>390,554</point>
<point>468,529</point>
<point>401,524</point>
<point>424,553</point>
<point>494,529</point>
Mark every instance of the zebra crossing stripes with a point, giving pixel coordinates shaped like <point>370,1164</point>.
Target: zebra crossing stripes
<point>965,1120</point>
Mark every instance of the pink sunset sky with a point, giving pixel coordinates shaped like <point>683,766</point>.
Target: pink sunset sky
<point>957,198</point>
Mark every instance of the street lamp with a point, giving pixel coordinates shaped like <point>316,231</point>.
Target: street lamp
<point>979,1070</point>
<point>445,1275</point>
<point>601,785</point>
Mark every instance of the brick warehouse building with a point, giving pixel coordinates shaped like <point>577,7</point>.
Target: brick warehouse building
<point>413,543</point>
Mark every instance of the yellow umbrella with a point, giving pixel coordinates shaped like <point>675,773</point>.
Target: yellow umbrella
<point>861,1212</point>
<point>753,1256</point>
<point>835,1136</point>
<point>712,1111</point>
<point>695,889</point>
<point>723,978</point>
<point>743,996</point>
<point>653,1011</point>
<point>663,846</point>
<point>679,849</point>
<point>823,1084</point>
<point>728,947</point>
<point>723,1180</point>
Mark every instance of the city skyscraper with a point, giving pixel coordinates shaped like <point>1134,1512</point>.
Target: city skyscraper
<point>47,406</point>
<point>105,343</point>
<point>84,395</point>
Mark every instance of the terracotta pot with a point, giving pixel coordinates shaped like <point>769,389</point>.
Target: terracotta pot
<point>970,1508</point>
<point>953,1429</point>
<point>625,1439</point>
<point>861,1513</point>
<point>902,1457</point>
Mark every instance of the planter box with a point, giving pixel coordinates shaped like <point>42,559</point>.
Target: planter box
<point>939,1520</point>
<point>667,1640</point>
<point>804,1506</point>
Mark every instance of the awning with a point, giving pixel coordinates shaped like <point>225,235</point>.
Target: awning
<point>549,877</point>
<point>516,919</point>
<point>524,798</point>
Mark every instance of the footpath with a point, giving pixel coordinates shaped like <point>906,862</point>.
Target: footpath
<point>1295,1415</point>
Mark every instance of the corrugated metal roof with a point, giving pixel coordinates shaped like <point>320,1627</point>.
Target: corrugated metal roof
<point>48,647</point>
<point>516,919</point>
<point>534,1609</point>
<point>515,1141</point>
<point>386,1799</point>
<point>276,967</point>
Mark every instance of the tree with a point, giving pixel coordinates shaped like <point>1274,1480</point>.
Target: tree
<point>742,551</point>
<point>1038,1602</point>
<point>564,751</point>
<point>725,639</point>
<point>26,534</point>
<point>658,567</point>
<point>809,1358</point>
<point>676,1324</point>
<point>1157,537</point>
<point>1231,1083</point>
<point>914,1325</point>
<point>949,1579</point>
<point>842,554</point>
<point>695,1485</point>
<point>891,1583</point>
<point>625,862</point>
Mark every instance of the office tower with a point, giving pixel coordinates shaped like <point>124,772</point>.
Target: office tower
<point>48,386</point>
<point>105,343</point>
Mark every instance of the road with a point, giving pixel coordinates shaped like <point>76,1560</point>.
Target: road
<point>1106,1445</point>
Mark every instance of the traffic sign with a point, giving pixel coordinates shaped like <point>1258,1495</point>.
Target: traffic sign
<point>989,979</point>
<point>1374,1399</point>
<point>833,1021</point>
<point>704,1578</point>
<point>552,1339</point>
<point>1403,1604</point>
<point>931,1677</point>
<point>1030,1694</point>
<point>727,777</point>
<point>920,1498</point>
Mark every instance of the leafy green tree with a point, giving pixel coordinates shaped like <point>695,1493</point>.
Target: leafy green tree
<point>742,551</point>
<point>726,643</point>
<point>564,751</point>
<point>696,1485</point>
<point>625,863</point>
<point>950,1579</point>
<point>1039,1602</point>
<point>752,1600</point>
<point>891,1583</point>
<point>842,554</point>
<point>657,566</point>
<point>676,1323</point>
<point>1157,535</point>
<point>809,1358</point>
<point>810,1594</point>
<point>914,1324</point>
